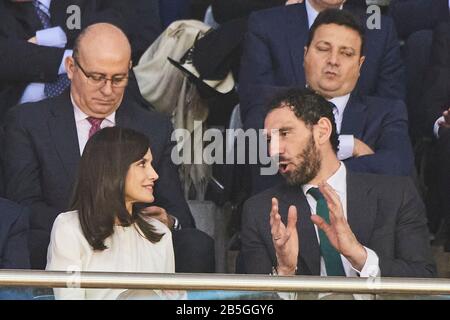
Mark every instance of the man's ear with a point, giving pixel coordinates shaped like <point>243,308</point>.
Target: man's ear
<point>361,61</point>
<point>69,64</point>
<point>323,130</point>
<point>305,51</point>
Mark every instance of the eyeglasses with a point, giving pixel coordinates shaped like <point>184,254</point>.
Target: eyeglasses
<point>99,80</point>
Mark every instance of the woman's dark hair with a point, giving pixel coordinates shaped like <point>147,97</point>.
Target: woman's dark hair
<point>99,193</point>
<point>309,107</point>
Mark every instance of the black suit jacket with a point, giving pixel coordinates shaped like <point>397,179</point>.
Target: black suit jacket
<point>274,50</point>
<point>23,62</point>
<point>385,214</point>
<point>14,226</point>
<point>41,157</point>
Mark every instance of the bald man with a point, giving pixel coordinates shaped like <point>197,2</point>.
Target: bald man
<point>44,140</point>
<point>35,38</point>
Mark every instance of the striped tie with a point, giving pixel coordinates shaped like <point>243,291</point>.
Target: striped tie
<point>51,89</point>
<point>95,125</point>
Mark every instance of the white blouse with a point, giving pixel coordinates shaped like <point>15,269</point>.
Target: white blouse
<point>127,251</point>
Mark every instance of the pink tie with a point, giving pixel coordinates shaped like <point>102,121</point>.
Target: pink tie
<point>95,125</point>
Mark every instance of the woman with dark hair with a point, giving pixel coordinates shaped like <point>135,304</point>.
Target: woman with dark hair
<point>102,232</point>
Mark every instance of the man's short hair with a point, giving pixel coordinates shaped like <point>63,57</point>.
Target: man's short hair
<point>339,17</point>
<point>309,107</point>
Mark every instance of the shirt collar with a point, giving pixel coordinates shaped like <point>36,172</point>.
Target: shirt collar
<point>313,13</point>
<point>80,115</point>
<point>337,181</point>
<point>46,3</point>
<point>340,102</point>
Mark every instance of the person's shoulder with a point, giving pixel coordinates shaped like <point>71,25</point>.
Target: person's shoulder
<point>68,220</point>
<point>384,183</point>
<point>29,112</point>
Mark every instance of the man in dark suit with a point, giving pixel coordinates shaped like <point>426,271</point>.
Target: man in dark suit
<point>36,36</point>
<point>373,131</point>
<point>14,225</point>
<point>325,220</point>
<point>274,49</point>
<point>34,45</point>
<point>43,142</point>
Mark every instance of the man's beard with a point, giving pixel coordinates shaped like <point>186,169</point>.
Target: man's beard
<point>307,165</point>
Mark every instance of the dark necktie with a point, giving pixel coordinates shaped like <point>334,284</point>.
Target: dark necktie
<point>51,89</point>
<point>332,258</point>
<point>95,125</point>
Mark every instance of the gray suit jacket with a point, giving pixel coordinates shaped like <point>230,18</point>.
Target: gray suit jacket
<point>385,213</point>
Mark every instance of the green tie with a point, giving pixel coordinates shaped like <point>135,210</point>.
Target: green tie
<point>332,258</point>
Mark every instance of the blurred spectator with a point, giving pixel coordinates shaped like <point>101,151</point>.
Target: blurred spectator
<point>44,140</point>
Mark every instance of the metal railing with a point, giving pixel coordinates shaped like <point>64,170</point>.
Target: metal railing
<point>56,279</point>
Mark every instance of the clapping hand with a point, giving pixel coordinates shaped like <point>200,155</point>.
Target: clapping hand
<point>285,239</point>
<point>338,231</point>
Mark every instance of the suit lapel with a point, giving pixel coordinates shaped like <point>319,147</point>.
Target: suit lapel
<point>297,35</point>
<point>354,118</point>
<point>361,208</point>
<point>309,247</point>
<point>63,133</point>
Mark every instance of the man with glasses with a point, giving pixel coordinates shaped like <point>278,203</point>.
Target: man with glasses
<point>44,140</point>
<point>35,38</point>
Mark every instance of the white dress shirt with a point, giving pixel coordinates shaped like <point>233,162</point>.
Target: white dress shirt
<point>51,37</point>
<point>127,251</point>
<point>338,182</point>
<point>313,13</point>
<point>83,125</point>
